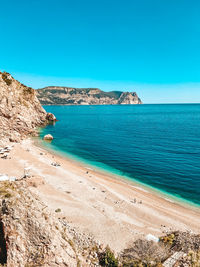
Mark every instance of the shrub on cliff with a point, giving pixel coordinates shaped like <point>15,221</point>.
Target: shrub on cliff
<point>194,258</point>
<point>5,77</point>
<point>107,258</point>
<point>144,253</point>
<point>182,241</point>
<point>28,90</point>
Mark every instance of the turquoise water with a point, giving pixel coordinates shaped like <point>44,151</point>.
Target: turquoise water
<point>157,145</point>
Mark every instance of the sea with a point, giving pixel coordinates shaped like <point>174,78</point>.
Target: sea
<point>157,146</point>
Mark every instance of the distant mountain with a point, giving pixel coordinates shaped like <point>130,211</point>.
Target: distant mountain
<point>55,95</point>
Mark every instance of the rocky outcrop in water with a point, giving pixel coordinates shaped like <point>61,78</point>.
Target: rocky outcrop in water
<point>51,117</point>
<point>48,137</point>
<point>54,95</point>
<point>20,110</point>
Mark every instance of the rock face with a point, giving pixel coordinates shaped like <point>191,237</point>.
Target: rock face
<point>54,95</point>
<point>20,110</point>
<point>127,98</point>
<point>31,235</point>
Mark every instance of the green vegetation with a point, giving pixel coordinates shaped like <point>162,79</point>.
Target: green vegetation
<point>194,258</point>
<point>6,189</point>
<point>144,253</point>
<point>107,258</point>
<point>28,90</point>
<point>114,94</point>
<point>58,210</point>
<point>181,241</point>
<point>168,239</point>
<point>52,96</point>
<point>6,79</point>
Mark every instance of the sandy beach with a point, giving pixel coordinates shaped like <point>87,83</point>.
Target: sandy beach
<point>111,210</point>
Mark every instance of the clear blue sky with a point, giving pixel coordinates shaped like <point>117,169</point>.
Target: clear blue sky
<point>151,46</point>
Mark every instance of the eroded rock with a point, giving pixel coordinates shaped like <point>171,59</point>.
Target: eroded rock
<point>20,110</point>
<point>50,117</point>
<point>32,236</point>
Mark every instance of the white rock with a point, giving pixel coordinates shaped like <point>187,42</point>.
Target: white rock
<point>4,177</point>
<point>12,179</point>
<point>151,237</point>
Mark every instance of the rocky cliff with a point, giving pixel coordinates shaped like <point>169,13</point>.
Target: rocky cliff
<point>20,110</point>
<point>31,235</point>
<point>54,95</point>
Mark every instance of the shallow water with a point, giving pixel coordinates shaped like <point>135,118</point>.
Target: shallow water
<point>158,145</point>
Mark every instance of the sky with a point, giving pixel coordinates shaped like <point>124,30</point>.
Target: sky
<point>148,46</point>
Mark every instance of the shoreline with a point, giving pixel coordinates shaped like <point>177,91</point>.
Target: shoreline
<point>105,207</point>
<point>114,175</point>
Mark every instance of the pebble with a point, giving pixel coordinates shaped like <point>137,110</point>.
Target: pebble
<point>56,164</point>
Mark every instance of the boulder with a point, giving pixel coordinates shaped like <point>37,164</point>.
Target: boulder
<point>48,137</point>
<point>50,117</point>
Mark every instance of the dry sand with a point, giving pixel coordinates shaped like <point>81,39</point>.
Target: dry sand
<point>113,211</point>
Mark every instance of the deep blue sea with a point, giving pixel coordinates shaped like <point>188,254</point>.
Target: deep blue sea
<point>158,145</point>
